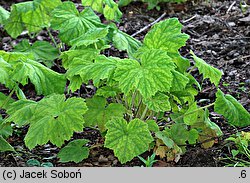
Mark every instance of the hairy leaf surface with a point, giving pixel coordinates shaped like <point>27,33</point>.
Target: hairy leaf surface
<point>231,109</point>
<point>57,122</point>
<point>74,151</point>
<point>127,140</point>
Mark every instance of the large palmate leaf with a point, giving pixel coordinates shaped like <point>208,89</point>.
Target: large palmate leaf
<point>207,70</point>
<point>71,23</point>
<point>55,119</point>
<point>5,101</point>
<point>191,115</point>
<point>21,111</point>
<point>123,41</point>
<point>4,15</point>
<point>158,103</point>
<point>231,109</point>
<point>31,15</point>
<point>74,151</point>
<point>69,57</point>
<point>150,75</point>
<point>90,37</point>
<point>45,80</point>
<point>102,68</point>
<point>42,50</point>
<point>99,113</point>
<point>166,35</point>
<point>179,82</point>
<point>107,7</point>
<point>127,140</point>
<point>4,145</point>
<point>5,70</point>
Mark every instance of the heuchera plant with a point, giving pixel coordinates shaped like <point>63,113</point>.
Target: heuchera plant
<point>143,102</point>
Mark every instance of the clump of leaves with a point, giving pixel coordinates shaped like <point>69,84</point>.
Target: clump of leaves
<point>143,102</point>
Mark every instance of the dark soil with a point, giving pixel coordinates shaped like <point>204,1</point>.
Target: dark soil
<point>218,34</point>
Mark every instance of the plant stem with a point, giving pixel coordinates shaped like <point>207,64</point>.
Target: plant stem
<point>144,113</point>
<point>204,107</point>
<point>132,104</point>
<point>138,108</point>
<point>52,38</point>
<point>192,68</point>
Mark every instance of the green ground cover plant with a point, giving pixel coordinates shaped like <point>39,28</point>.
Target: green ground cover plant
<point>145,102</point>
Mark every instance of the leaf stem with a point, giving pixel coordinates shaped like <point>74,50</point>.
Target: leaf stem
<point>8,98</point>
<point>132,103</point>
<point>144,113</point>
<point>52,38</point>
<point>204,107</point>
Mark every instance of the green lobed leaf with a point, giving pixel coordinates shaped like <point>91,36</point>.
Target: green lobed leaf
<point>4,15</point>
<point>179,81</point>
<point>42,50</point>
<point>166,140</point>
<point>57,122</point>
<point>151,75</point>
<point>179,133</point>
<point>207,70</point>
<point>4,145</point>
<point>127,140</point>
<point>90,37</point>
<point>111,11</point>
<point>31,15</point>
<point>152,125</point>
<point>231,109</point>
<point>99,113</point>
<point>191,115</point>
<point>108,8</point>
<point>123,41</point>
<point>166,35</point>
<point>158,103</point>
<point>71,23</point>
<point>5,128</point>
<point>103,68</point>
<point>45,80</point>
<point>74,151</point>
<point>5,101</point>
<point>5,70</point>
<point>107,91</point>
<point>21,111</point>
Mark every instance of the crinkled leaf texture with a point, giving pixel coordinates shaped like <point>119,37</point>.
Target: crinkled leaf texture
<point>90,37</point>
<point>4,145</point>
<point>207,70</point>
<point>99,113</point>
<point>4,15</point>
<point>166,35</point>
<point>107,7</point>
<point>151,75</point>
<point>74,151</point>
<point>55,119</point>
<point>71,23</point>
<point>46,81</point>
<point>158,103</point>
<point>123,41</point>
<point>127,140</point>
<point>5,70</point>
<point>42,50</point>
<point>231,109</point>
<point>31,15</point>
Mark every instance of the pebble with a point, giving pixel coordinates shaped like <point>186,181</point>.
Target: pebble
<point>232,24</point>
<point>247,82</point>
<point>102,159</point>
<point>6,39</point>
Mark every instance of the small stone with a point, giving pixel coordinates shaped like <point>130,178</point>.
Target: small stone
<point>40,38</point>
<point>247,82</point>
<point>231,24</point>
<point>6,39</point>
<point>102,159</point>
